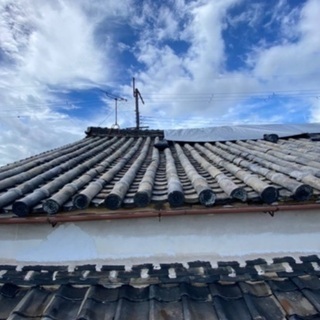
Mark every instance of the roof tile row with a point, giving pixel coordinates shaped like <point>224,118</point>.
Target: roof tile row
<point>291,296</point>
<point>128,170</point>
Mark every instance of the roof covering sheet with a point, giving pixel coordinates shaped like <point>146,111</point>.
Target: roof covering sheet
<point>240,132</point>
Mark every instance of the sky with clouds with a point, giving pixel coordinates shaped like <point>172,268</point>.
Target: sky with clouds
<point>197,63</point>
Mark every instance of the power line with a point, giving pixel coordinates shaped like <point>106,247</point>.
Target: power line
<point>158,99</point>
<point>176,97</point>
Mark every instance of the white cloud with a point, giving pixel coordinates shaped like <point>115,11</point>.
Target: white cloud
<point>180,85</point>
<point>295,65</point>
<point>52,43</point>
<point>47,45</point>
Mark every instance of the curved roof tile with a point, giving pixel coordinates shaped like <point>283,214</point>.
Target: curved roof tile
<point>126,168</point>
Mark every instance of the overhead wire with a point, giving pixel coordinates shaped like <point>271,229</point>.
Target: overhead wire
<point>36,107</point>
<point>183,97</point>
<point>158,99</point>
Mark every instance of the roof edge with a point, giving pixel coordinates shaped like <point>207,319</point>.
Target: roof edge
<point>96,215</point>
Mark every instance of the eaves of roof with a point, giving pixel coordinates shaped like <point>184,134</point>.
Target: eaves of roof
<point>283,289</point>
<point>100,214</point>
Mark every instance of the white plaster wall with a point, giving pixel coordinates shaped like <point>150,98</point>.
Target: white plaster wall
<point>172,239</point>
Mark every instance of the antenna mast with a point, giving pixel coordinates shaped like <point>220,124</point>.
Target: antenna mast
<point>116,99</point>
<point>137,95</point>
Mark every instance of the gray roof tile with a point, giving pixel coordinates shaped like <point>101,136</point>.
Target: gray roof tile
<point>112,169</point>
<point>69,296</point>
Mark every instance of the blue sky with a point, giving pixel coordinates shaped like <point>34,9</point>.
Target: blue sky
<point>197,63</point>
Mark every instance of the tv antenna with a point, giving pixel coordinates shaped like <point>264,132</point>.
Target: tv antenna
<point>116,99</point>
<point>137,95</point>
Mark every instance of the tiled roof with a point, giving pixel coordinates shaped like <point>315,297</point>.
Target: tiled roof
<point>283,289</point>
<point>134,169</point>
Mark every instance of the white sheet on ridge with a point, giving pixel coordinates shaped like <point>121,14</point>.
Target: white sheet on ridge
<point>239,132</point>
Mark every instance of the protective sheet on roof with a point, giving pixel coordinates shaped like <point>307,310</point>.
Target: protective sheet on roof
<point>240,132</point>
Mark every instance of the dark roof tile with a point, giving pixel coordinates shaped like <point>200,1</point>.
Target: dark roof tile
<point>199,310</point>
<point>198,264</point>
<point>231,309</point>
<point>9,290</point>
<point>131,310</point>
<point>289,260</point>
<point>102,294</point>
<point>123,169</point>
<point>282,285</point>
<point>62,308</point>
<point>134,294</point>
<point>302,268</point>
<point>294,303</point>
<point>33,303</point>
<point>313,296</point>
<point>307,282</point>
<point>10,296</point>
<point>97,310</point>
<point>228,263</point>
<point>165,293</point>
<point>86,267</point>
<point>226,290</point>
<point>267,308</point>
<point>257,288</point>
<point>195,292</point>
<point>183,298</point>
<point>166,310</point>
<point>112,267</point>
<point>256,262</point>
<point>71,293</point>
<point>311,258</point>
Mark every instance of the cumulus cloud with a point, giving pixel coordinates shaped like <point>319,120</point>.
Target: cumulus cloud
<point>46,48</point>
<point>292,67</point>
<point>182,54</point>
<point>197,82</point>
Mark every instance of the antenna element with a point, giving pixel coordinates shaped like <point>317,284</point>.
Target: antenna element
<point>116,99</point>
<point>137,95</point>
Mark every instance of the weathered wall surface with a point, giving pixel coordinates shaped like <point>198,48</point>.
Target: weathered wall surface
<point>172,239</point>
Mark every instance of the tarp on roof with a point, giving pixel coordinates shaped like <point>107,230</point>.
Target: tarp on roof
<point>240,132</point>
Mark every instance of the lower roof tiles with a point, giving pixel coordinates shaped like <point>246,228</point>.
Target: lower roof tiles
<point>79,294</point>
<point>153,302</point>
